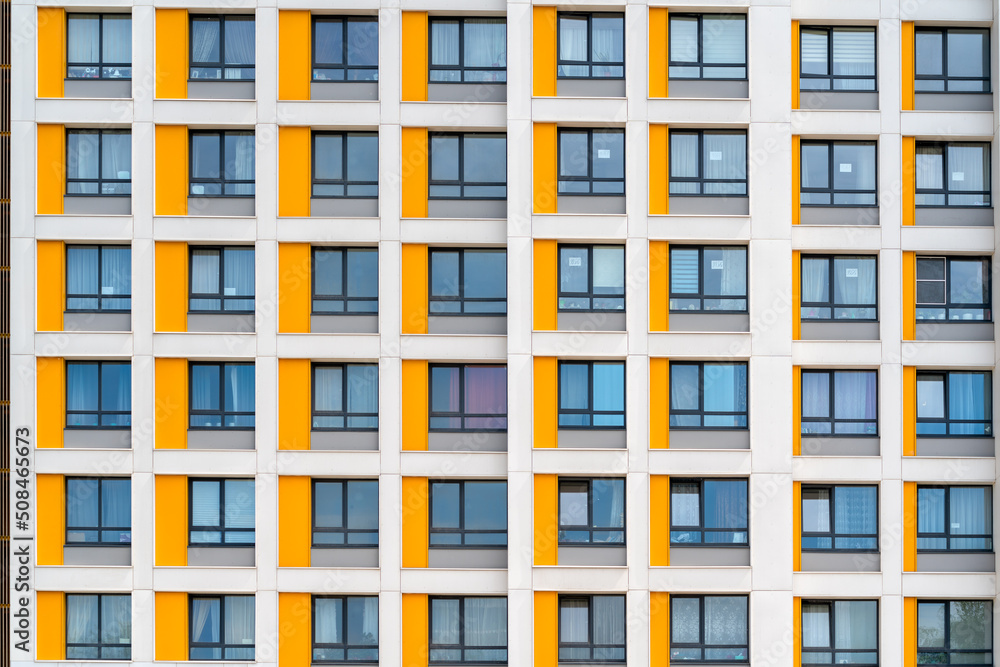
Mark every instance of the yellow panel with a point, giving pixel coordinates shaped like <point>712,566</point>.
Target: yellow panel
<point>659,403</point>
<point>659,520</point>
<point>796,177</point>
<point>414,51</point>
<point>795,66</point>
<point>294,167</point>
<point>294,288</point>
<point>415,630</point>
<point>909,632</point>
<point>907,65</point>
<point>659,286</point>
<point>796,632</point>
<point>796,411</point>
<point>545,281</point>
<point>294,403</point>
<point>171,527</point>
<point>546,629</point>
<point>51,536</point>
<point>171,54</point>
<point>414,171</point>
<point>295,637</point>
<point>51,51</point>
<point>51,284</point>
<point>414,288</point>
<point>546,413</point>
<point>415,522</point>
<point>171,271</point>
<point>909,295</point>
<point>658,52</point>
<point>294,55</point>
<point>171,380</point>
<point>659,172</point>
<point>171,626</point>
<point>909,181</point>
<point>294,521</point>
<point>50,410</point>
<point>545,167</point>
<point>414,405</point>
<point>543,34</point>
<point>659,630</point>
<point>50,625</point>
<point>909,411</point>
<point>51,161</point>
<point>796,295</point>
<point>796,526</point>
<point>546,503</point>
<point>909,526</point>
<point>171,180</point>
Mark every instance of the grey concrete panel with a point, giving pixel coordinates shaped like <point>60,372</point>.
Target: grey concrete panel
<point>473,324</point>
<point>344,90</point>
<point>955,446</point>
<point>223,322</point>
<point>95,438</point>
<point>227,207</point>
<point>591,321</point>
<point>592,556</point>
<point>824,99</point>
<point>96,205</point>
<point>467,442</point>
<point>467,208</point>
<point>954,217</point>
<point>365,441</point>
<point>97,555</point>
<point>831,561</point>
<point>953,330</point>
<point>840,331</point>
<point>706,88</point>
<point>221,90</point>
<point>953,102</point>
<point>99,88</point>
<point>957,562</point>
<point>590,87</point>
<point>590,204</point>
<point>97,321</point>
<point>709,322</point>
<point>467,92</point>
<point>827,446</point>
<point>477,559</point>
<point>343,324</point>
<point>221,438</point>
<point>204,556</point>
<point>838,215</point>
<point>342,207</point>
<point>710,556</point>
<point>327,557</point>
<point>709,439</point>
<point>592,439</point>
<point>685,205</point>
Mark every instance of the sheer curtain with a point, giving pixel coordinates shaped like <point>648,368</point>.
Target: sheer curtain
<point>856,624</point>
<point>609,624</point>
<point>726,507</point>
<point>81,619</point>
<point>855,513</point>
<point>82,157</point>
<point>240,510</point>
<point>238,277</point>
<point>815,625</point>
<point>486,393</point>
<point>204,41</point>
<point>971,514</point>
<point>573,391</point>
<point>116,507</point>
<point>116,276</point>
<point>328,620</point>
<point>445,44</point>
<point>204,271</point>
<point>815,397</point>
<point>240,391</point>
<point>572,38</point>
<point>116,156</point>
<point>81,273</point>
<point>608,34</point>
<point>328,386</point>
<point>609,271</point>
<point>118,42</point>
<point>486,624</point>
<point>726,623</point>
<point>486,43</point>
<point>815,280</point>
<point>683,162</point>
<point>609,393</point>
<point>930,511</point>
<point>240,44</point>
<point>725,271</point>
<point>83,40</point>
<point>362,394</point>
<point>362,46</point>
<point>725,157</point>
<point>855,397</point>
<point>116,393</point>
<point>369,625</point>
<point>854,280</point>
<point>240,626</point>
<point>205,620</point>
<point>116,626</point>
<point>968,166</point>
<point>445,621</point>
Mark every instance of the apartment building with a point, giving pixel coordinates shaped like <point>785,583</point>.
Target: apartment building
<point>453,333</point>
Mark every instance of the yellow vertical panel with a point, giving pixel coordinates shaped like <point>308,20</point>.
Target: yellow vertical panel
<point>796,411</point>
<point>546,528</point>
<point>545,168</point>
<point>171,181</point>
<point>659,53</point>
<point>415,630</point>
<point>50,258</point>
<point>414,288</point>
<point>51,51</point>
<point>795,64</point>
<point>171,53</point>
<point>909,181</point>
<point>659,629</point>
<point>294,54</point>
<point>51,536</point>
<point>415,522</point>
<point>907,65</point>
<point>909,410</point>
<point>796,526</point>
<point>294,403</point>
<point>171,626</point>
<point>294,521</point>
<point>796,295</point>
<point>50,625</point>
<point>659,286</point>
<point>909,295</point>
<point>171,382</point>
<point>414,52</point>
<point>171,289</point>
<point>659,520</point>
<point>659,169</point>
<point>544,58</point>
<point>546,408</point>
<point>51,164</point>
<point>414,411</point>
<point>171,520</point>
<point>546,621</point>
<point>545,282</point>
<point>796,179</point>
<point>659,403</point>
<point>910,526</point>
<point>294,287</point>
<point>910,626</point>
<point>50,409</point>
<point>295,629</point>
<point>796,632</point>
<point>414,170</point>
<point>294,167</point>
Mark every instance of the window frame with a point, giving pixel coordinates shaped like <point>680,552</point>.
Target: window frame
<point>945,191</point>
<point>589,294</point>
<point>701,412</point>
<point>700,63</point>
<point>946,649</point>
<point>221,528</point>
<point>221,181</point>
<point>948,304</point>
<point>221,294</point>
<point>100,528</point>
<point>590,179</point>
<point>833,534</point>
<point>947,535</point>
<point>344,645</point>
<point>700,180</point>
<point>830,76</point>
<point>100,180</point>
<point>461,646</point>
<point>702,544</point>
<point>947,420</point>
<point>220,64</point>
<point>590,644</point>
<point>99,295</point>
<point>344,65</point>
<point>590,63</point>
<point>831,605</point>
<point>461,531</point>
<point>345,181</point>
<point>831,190</point>
<point>944,77</point>
<point>221,644</point>
<point>701,295</point>
<point>222,413</point>
<point>345,413</point>
<point>345,529</point>
<point>702,645</point>
<point>590,411</point>
<point>832,304</point>
<point>100,64</point>
<point>100,412</point>
<point>345,281</point>
<point>461,183</point>
<point>99,645</point>
<point>461,299</point>
<point>590,528</point>
<point>461,67</point>
<point>832,420</point>
<point>462,414</point>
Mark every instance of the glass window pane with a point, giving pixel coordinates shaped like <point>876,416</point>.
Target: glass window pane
<point>328,272</point>
<point>486,274</point>
<point>725,387</point>
<point>724,39</point>
<point>486,506</point>
<point>609,154</point>
<point>573,504</point>
<point>854,52</point>
<point>328,388</point>
<point>240,40</point>
<point>609,270</point>
<point>856,623</point>
<point>240,503</point>
<point>726,504</point>
<point>814,54</point>
<point>685,386</point>
<point>362,505</point>
<point>969,167</point>
<point>725,155</point>
<point>445,273</point>
<point>929,51</point>
<point>83,39</point>
<point>608,33</point>
<point>362,157</point>
<point>82,389</point>
<point>81,619</point>
<point>239,387</point>
<point>725,620</point>
<point>683,40</point>
<point>239,620</point>
<point>329,42</point>
<point>971,625</point>
<point>609,619</point>
<point>445,42</point>
<point>328,504</point>
<point>930,167</point>
<point>609,386</point>
<point>685,620</point>
<point>574,152</point>
<point>362,43</point>
<point>816,395</point>
<point>445,621</point>
<point>82,154</point>
<point>684,156</point>
<point>445,506</point>
<point>81,503</point>
<point>854,280</point>
<point>328,620</point>
<point>485,159</point>
<point>444,159</point>
<point>855,509</point>
<point>815,166</point>
<point>967,53</point>
<point>815,510</point>
<point>930,624</point>
<point>116,155</point>
<point>968,281</point>
<point>205,503</point>
<point>362,273</point>
<point>486,390</point>
<point>205,40</point>
<point>685,504</point>
<point>725,271</point>
<point>573,386</point>
<point>930,396</point>
<point>81,269</point>
<point>573,38</point>
<point>362,621</point>
<point>240,162</point>
<point>574,270</point>
<point>205,156</point>
<point>969,396</point>
<point>609,503</point>
<point>854,166</point>
<point>328,157</point>
<point>485,42</point>
<point>445,389</point>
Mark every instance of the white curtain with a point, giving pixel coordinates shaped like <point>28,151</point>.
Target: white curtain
<point>240,42</point>
<point>81,619</point>
<point>205,620</point>
<point>328,620</point>
<point>116,620</point>
<point>572,38</point>
<point>815,625</point>
<point>816,395</point>
<point>930,514</point>
<point>815,280</point>
<point>116,505</point>
<point>969,167</point>
<point>725,620</point>
<point>684,39</point>
<point>856,624</point>
<point>609,619</point>
<point>815,510</point>
<point>724,39</point>
<point>486,42</point>
<point>971,514</point>
<point>238,276</point>
<point>725,271</point>
<point>362,393</point>
<point>609,270</point>
<point>608,40</point>
<point>82,155</point>
<point>118,39</point>
<point>205,507</point>
<point>486,621</point>
<point>83,38</point>
<point>854,280</point>
<point>930,167</point>
<point>240,625</point>
<point>116,392</point>
<point>445,43</point>
<point>445,621</point>
<point>204,41</point>
<point>855,395</point>
<point>725,157</point>
<point>369,624</point>
<point>328,387</point>
<point>204,271</point>
<point>684,162</point>
<point>240,162</point>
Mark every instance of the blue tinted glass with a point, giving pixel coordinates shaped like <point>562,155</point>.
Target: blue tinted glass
<point>328,388</point>
<point>329,46</point>
<point>609,386</point>
<point>116,503</point>
<point>856,510</point>
<point>362,273</point>
<point>444,159</point>
<point>486,506</point>
<point>684,386</point>
<point>362,42</point>
<point>240,388</point>
<point>930,510</point>
<point>485,274</point>
<point>328,504</point>
<point>240,503</point>
<point>725,387</point>
<point>485,159</point>
<point>573,390</point>
<point>81,270</point>
<point>362,157</point>
<point>328,157</point>
<point>81,387</point>
<point>81,503</point>
<point>444,505</point>
<point>328,274</point>
<point>445,390</point>
<point>725,504</point>
<point>116,387</point>
<point>609,503</point>
<point>362,504</point>
<point>205,387</point>
<point>444,273</point>
<point>205,156</point>
<point>968,396</point>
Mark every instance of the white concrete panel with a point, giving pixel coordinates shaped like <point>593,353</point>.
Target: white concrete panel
<point>965,240</point>
<point>699,113</point>
<point>237,463</point>
<point>328,581</point>
<point>85,345</point>
<point>844,354</point>
<point>580,227</point>
<point>206,114</point>
<point>83,579</point>
<point>836,468</point>
<point>329,347</point>
<point>948,585</point>
<point>699,462</point>
<point>325,463</point>
<point>947,354</point>
<point>205,346</point>
<point>699,228</point>
<point>83,461</point>
<point>569,112</point>
<point>84,113</point>
<point>234,231</point>
<point>454,115</point>
<point>700,579</point>
<point>554,461</point>
<point>843,584</point>
<point>454,347</point>
<point>329,231</point>
<point>581,344</point>
<point>947,125</point>
<point>934,469</point>
<point>822,124</point>
<point>830,238</point>
<point>72,228</point>
<point>581,579</point>
<point>455,465</point>
<point>463,232</point>
<point>205,579</point>
<point>454,582</point>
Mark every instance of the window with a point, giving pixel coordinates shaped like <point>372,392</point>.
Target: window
<point>592,628</point>
<point>460,288</point>
<point>592,278</point>
<point>98,394</point>
<point>468,166</point>
<point>223,164</point>
<point>711,163</point>
<point>223,47</point>
<point>222,627</point>
<point>855,288</point>
<point>591,46</point>
<point>840,403</point>
<point>709,628</point>
<point>345,281</point>
<point>708,395</point>
<point>953,288</point>
<point>708,512</point>
<point>98,278</point>
<point>345,165</point>
<point>837,59</point>
<point>345,397</point>
<point>345,513</point>
<point>708,279</point>
<point>468,398</point>
<point>222,395</point>
<point>954,518</point>
<point>592,511</point>
<point>468,630</point>
<point>222,512</point>
<point>98,510</point>
<point>345,629</point>
<point>98,627</point>
<point>955,632</point>
<point>98,46</point>
<point>592,394</point>
<point>99,162</point>
<point>345,48</point>
<point>952,60</point>
<point>839,173</point>
<point>708,46</point>
<point>468,514</point>
<point>840,518</point>
<point>953,174</point>
<point>958,403</point>
<point>468,50</point>
<point>222,280</point>
<point>840,631</point>
<point>592,162</point>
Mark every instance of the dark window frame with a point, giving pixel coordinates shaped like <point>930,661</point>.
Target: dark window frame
<point>590,63</point>
<point>700,64</point>
<point>701,296</point>
<point>461,67</point>
<point>832,304</point>
<point>461,531</point>
<point>947,420</point>
<point>701,412</point>
<point>345,282</point>
<point>948,304</point>
<point>221,181</point>
<point>589,294</point>
<point>221,528</point>
<point>219,64</point>
<point>461,646</point>
<point>947,534</point>
<point>831,605</point>
<point>344,64</point>
<point>345,528</point>
<point>99,295</point>
<point>946,649</point>
<point>944,62</point>
<point>222,413</point>
<point>700,180</point>
<point>702,645</point>
<point>100,180</point>
<point>344,645</point>
<point>590,644</point>
<point>700,481</point>
<point>221,644</point>
<point>99,645</point>
<point>947,193</point>
<point>345,181</point>
<point>461,183</point>
<point>345,413</point>
<point>830,76</point>
<point>100,65</point>
<point>461,299</point>
<point>590,528</point>
<point>221,294</point>
<point>100,528</point>
<point>832,420</point>
<point>100,396</point>
<point>590,179</point>
<point>831,190</point>
<point>590,412</point>
<point>462,414</point>
<point>833,534</point>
